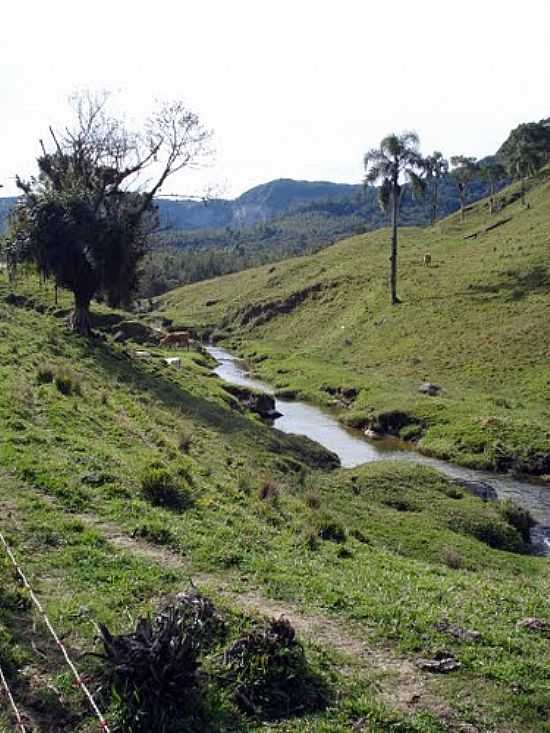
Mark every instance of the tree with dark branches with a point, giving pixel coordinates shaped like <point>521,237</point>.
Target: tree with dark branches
<point>436,167</point>
<point>396,159</point>
<point>492,172</point>
<point>465,171</point>
<point>84,220</point>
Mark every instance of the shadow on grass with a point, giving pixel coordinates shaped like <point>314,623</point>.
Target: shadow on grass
<point>515,284</point>
<point>167,388</point>
<point>20,630</point>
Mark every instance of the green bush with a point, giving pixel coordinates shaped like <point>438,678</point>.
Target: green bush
<point>400,504</point>
<point>493,531</point>
<point>518,517</point>
<point>161,488</point>
<point>155,532</point>
<point>67,382</point>
<point>331,529</point>
<point>45,374</point>
<point>269,673</point>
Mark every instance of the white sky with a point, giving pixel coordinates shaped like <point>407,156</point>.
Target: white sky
<point>296,89</point>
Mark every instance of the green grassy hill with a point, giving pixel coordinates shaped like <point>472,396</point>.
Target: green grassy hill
<point>121,478</point>
<point>476,322</point>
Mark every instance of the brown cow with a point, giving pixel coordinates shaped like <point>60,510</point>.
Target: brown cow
<point>427,260</point>
<point>177,338</point>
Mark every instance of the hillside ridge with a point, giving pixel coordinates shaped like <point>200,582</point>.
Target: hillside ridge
<point>323,320</point>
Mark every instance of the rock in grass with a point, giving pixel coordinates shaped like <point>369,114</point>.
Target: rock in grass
<point>442,663</point>
<point>456,631</point>
<point>429,388</point>
<point>533,624</point>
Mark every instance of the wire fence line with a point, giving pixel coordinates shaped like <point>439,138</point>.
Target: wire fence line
<point>80,682</point>
<point>18,717</point>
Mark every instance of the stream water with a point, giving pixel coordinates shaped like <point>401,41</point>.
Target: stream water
<point>353,448</point>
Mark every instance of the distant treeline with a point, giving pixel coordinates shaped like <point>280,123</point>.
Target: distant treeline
<point>183,257</point>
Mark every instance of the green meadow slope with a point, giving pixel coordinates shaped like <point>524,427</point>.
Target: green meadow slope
<point>375,566</point>
<point>477,323</point>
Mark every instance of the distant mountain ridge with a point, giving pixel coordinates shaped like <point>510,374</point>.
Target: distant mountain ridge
<point>258,205</point>
<point>283,198</point>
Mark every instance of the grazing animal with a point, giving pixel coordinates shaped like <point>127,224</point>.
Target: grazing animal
<point>177,338</point>
<point>427,260</point>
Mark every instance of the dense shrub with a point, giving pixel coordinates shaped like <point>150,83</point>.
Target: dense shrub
<point>518,517</point>
<point>270,675</point>
<point>45,374</point>
<point>313,500</point>
<point>160,487</point>
<point>331,529</point>
<point>269,491</point>
<point>67,382</point>
<point>400,504</point>
<point>493,531</point>
<point>155,532</point>
<point>153,671</point>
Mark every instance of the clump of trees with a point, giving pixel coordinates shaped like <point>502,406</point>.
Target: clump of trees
<point>491,171</point>
<point>464,172</point>
<point>526,150</point>
<point>397,165</point>
<point>436,167</point>
<point>85,218</point>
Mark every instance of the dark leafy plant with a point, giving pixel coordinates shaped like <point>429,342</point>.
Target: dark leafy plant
<point>45,374</point>
<point>67,382</point>
<point>331,529</point>
<point>155,532</point>
<point>154,671</point>
<point>270,674</point>
<point>163,489</point>
<point>518,517</point>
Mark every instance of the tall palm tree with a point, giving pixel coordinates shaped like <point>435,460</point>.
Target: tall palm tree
<point>436,168</point>
<point>397,158</point>
<point>465,170</point>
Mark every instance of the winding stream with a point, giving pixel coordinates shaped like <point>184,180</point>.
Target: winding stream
<point>353,448</point>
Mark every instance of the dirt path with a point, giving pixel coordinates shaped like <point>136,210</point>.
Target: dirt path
<point>397,681</point>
